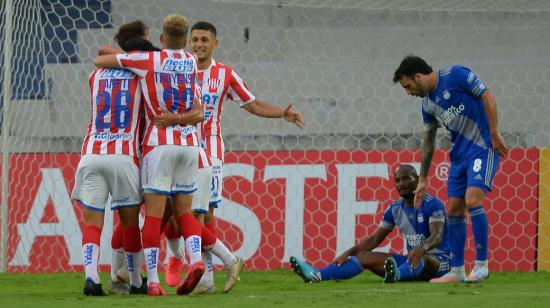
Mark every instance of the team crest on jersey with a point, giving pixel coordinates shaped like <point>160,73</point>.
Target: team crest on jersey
<point>420,218</point>
<point>446,95</point>
<point>116,73</point>
<point>178,65</point>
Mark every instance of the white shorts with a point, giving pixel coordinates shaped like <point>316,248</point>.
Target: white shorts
<point>99,176</point>
<point>170,170</point>
<point>204,192</point>
<point>217,182</point>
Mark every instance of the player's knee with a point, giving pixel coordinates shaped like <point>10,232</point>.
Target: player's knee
<point>474,197</point>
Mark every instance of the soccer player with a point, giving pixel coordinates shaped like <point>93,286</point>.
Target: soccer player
<point>170,84</point>
<point>110,165</point>
<point>454,97</point>
<point>423,228</point>
<point>219,82</point>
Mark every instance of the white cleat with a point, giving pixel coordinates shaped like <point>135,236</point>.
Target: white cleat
<point>232,274</point>
<point>478,274</point>
<point>450,277</point>
<point>202,288</point>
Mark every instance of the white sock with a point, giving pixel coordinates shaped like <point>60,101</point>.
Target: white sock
<point>481,264</point>
<point>221,251</point>
<point>208,276</point>
<point>117,262</point>
<point>135,259</point>
<point>175,248</point>
<point>151,256</point>
<point>193,248</point>
<point>460,271</point>
<point>90,253</point>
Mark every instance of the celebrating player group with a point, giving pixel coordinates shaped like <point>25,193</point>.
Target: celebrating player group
<point>155,135</point>
<point>155,139</point>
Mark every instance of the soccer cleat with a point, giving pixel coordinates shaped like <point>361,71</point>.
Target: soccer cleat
<point>173,271</point>
<point>140,290</point>
<point>203,288</point>
<point>118,287</point>
<point>232,274</point>
<point>477,274</point>
<point>304,270</point>
<point>450,277</point>
<point>390,269</point>
<point>191,279</point>
<point>154,289</point>
<point>93,289</point>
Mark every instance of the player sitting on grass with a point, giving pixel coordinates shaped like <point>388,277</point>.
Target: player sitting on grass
<point>424,230</point>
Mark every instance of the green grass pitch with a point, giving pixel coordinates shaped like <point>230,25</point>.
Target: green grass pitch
<point>284,289</point>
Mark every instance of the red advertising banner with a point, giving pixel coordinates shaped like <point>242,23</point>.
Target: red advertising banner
<point>277,204</point>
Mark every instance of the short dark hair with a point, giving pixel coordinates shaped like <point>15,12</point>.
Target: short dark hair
<point>132,29</point>
<point>205,25</point>
<point>139,43</point>
<point>410,66</point>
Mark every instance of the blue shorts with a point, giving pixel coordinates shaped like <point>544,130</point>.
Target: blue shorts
<point>444,263</point>
<point>476,171</point>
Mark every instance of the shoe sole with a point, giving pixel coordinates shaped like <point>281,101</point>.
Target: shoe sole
<point>389,267</point>
<point>190,281</point>
<point>476,280</point>
<point>298,270</point>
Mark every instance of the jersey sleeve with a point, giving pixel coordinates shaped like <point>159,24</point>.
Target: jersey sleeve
<point>238,90</point>
<point>388,222</point>
<point>435,210</point>
<point>466,80</point>
<point>138,62</point>
<point>427,118</point>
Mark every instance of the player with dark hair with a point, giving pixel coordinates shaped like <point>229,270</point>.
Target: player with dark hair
<point>424,230</point>
<point>455,98</point>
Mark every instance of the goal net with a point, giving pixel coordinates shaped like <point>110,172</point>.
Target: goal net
<point>309,192</point>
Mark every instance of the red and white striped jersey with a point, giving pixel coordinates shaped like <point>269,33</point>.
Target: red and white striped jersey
<point>204,158</point>
<point>169,81</point>
<point>218,82</point>
<point>116,113</point>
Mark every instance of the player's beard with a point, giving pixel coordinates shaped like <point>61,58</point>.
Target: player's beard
<point>408,195</point>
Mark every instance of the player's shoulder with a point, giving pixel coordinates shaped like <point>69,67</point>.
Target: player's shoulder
<point>396,203</point>
<point>221,66</point>
<point>431,200</point>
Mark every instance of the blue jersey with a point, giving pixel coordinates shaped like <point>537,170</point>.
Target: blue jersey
<point>456,104</point>
<point>414,224</point>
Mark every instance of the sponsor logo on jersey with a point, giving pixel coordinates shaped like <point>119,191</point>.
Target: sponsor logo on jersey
<point>478,177</point>
<point>116,74</point>
<point>415,239</point>
<point>178,65</point>
<point>450,114</point>
<point>111,136</point>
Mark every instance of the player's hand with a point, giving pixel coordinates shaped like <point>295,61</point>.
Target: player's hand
<point>419,192</point>
<point>165,118</point>
<point>415,255</point>
<point>342,258</point>
<point>498,144</point>
<point>293,117</point>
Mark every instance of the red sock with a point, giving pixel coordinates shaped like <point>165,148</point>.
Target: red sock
<point>91,234</point>
<point>170,232</point>
<point>212,226</point>
<point>151,232</point>
<point>132,239</point>
<point>116,240</point>
<point>208,239</point>
<point>189,225</point>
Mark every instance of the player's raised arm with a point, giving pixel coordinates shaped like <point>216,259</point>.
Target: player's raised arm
<point>428,148</point>
<point>266,110</point>
<point>106,61</point>
<point>489,103</point>
<point>368,244</point>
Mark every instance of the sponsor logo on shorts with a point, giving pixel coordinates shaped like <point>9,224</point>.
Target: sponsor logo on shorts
<point>121,200</point>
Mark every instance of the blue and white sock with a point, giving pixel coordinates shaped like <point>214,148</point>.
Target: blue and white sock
<point>406,272</point>
<point>457,240</point>
<point>351,268</point>
<point>480,228</point>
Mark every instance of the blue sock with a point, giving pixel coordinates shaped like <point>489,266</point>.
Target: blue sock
<point>480,228</point>
<point>351,268</point>
<point>406,272</point>
<point>457,239</point>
